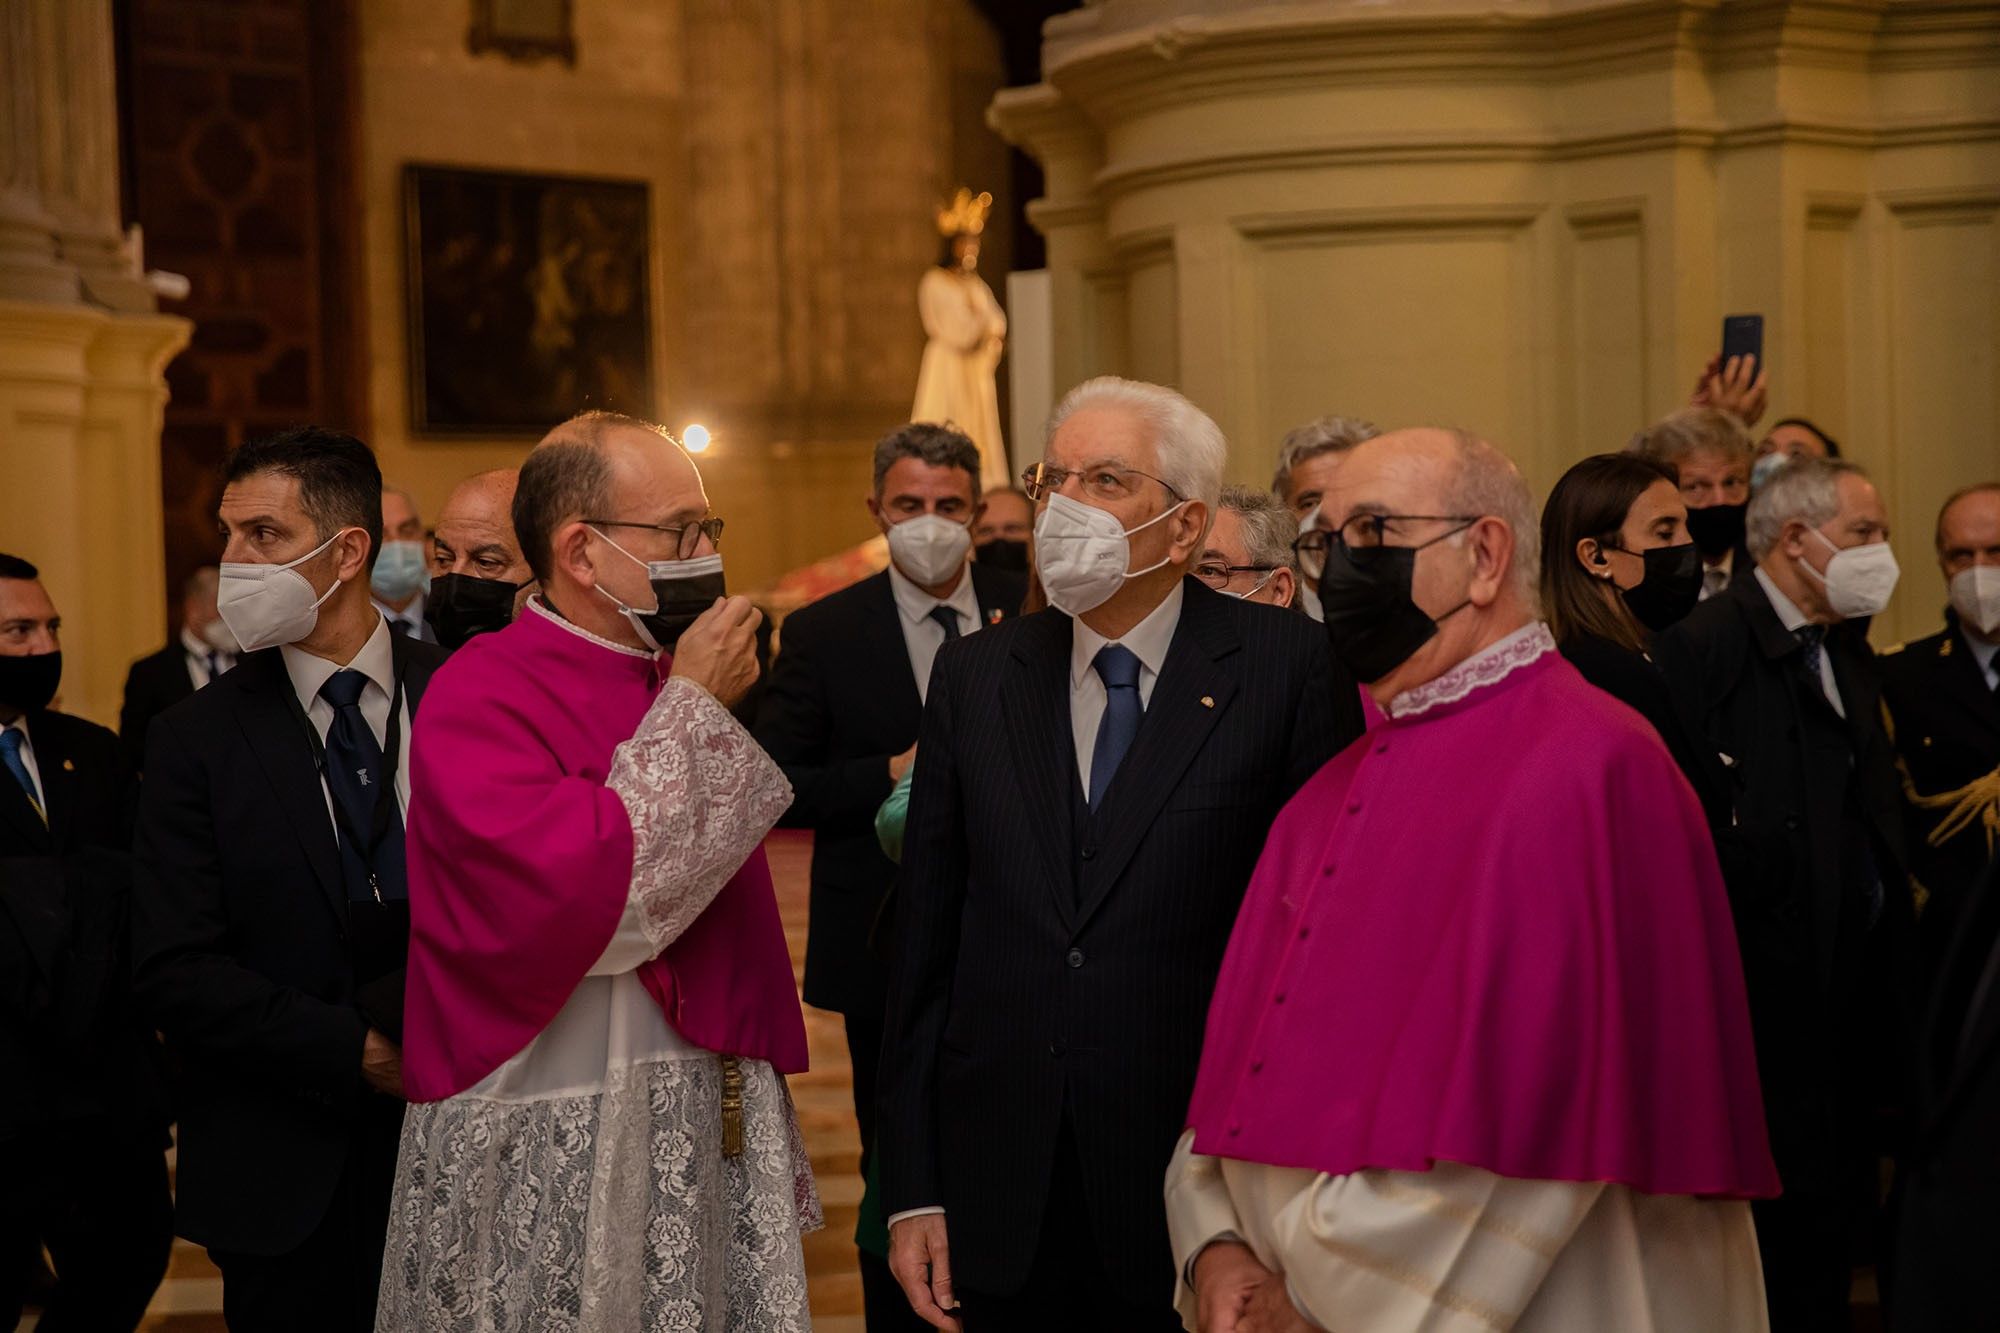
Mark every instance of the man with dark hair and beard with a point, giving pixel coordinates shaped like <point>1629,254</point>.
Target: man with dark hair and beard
<point>84,1124</point>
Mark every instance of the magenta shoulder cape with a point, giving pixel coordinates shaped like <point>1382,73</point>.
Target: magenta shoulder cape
<point>1495,934</point>
<point>520,861</point>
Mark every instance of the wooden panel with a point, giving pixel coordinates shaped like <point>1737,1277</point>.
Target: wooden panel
<point>237,151</point>
<point>1607,326</point>
<point>1405,320</point>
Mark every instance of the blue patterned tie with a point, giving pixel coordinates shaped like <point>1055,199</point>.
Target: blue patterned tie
<point>354,774</point>
<point>947,620</point>
<point>10,754</point>
<point>1118,667</point>
<point>1812,639</point>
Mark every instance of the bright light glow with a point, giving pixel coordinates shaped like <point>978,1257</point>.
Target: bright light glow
<point>695,437</point>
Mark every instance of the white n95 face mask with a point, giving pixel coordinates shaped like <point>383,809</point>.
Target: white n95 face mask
<point>929,548</point>
<point>1975,595</point>
<point>268,606</point>
<point>1859,579</point>
<point>1081,553</point>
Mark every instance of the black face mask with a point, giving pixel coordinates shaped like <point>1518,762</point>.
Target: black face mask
<point>1669,588</point>
<point>682,600</point>
<point>460,606</point>
<point>1003,553</point>
<point>1717,530</point>
<point>28,683</point>
<point>1371,624</point>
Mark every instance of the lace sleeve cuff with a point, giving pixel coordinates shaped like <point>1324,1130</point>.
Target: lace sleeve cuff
<point>701,795</point>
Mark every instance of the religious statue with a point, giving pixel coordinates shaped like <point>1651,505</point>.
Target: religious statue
<point>967,332</point>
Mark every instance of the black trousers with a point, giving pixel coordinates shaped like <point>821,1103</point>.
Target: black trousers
<point>884,1307</point>
<point>328,1284</point>
<point>1068,1290</point>
<point>96,1195</point>
<point>1807,1247</point>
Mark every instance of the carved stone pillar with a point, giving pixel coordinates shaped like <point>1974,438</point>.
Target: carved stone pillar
<point>82,351</point>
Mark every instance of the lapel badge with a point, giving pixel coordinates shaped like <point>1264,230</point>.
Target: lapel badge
<point>69,765</point>
<point>1208,701</point>
<point>994,615</point>
<point>1944,649</point>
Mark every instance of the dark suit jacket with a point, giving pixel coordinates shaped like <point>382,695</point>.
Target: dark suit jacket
<point>1043,973</point>
<point>1941,1272</point>
<point>70,1037</point>
<point>1637,683</point>
<point>244,956</point>
<point>155,683</point>
<point>842,702</point>
<point>1814,803</point>
<point>1946,728</point>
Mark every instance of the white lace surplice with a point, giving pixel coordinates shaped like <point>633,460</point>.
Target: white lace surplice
<point>581,1186</point>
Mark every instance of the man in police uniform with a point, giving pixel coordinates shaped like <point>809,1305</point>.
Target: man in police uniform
<point>1939,697</point>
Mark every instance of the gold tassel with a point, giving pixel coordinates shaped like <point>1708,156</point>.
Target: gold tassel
<point>1977,803</point>
<point>732,1107</point>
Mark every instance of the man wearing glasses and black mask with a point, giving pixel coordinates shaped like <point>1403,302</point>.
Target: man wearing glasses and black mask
<point>1094,786</point>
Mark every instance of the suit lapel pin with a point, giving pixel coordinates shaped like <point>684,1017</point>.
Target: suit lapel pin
<point>69,765</point>
<point>1208,701</point>
<point>994,615</point>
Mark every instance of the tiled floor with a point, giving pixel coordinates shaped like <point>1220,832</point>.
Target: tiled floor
<point>190,1301</point>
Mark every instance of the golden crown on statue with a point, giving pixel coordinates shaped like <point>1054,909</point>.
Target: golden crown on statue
<point>965,215</point>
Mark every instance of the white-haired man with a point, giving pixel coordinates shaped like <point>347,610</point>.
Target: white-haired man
<point>1771,674</point>
<point>1094,783</point>
<point>1455,1008</point>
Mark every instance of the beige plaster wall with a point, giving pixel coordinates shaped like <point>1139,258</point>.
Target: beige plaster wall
<point>1529,219</point>
<point>795,150</point>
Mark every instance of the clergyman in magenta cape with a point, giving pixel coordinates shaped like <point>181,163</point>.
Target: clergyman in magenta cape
<point>1493,933</point>
<point>539,853</point>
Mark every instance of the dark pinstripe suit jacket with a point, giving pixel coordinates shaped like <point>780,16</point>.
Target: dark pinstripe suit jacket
<point>1011,1002</point>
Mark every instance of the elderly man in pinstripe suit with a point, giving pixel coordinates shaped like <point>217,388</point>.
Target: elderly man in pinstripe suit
<point>1096,783</point>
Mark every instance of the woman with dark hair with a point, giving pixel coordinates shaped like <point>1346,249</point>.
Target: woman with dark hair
<point>1617,568</point>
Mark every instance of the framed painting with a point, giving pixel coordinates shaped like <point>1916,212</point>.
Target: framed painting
<point>523,29</point>
<point>527,299</point>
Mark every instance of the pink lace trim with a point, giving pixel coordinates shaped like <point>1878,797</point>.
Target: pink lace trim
<point>1525,645</point>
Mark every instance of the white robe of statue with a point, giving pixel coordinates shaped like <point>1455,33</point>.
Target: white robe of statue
<point>967,332</point>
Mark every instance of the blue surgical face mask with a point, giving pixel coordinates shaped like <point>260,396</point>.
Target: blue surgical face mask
<point>399,571</point>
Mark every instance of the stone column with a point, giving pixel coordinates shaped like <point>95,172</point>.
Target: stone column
<point>82,351</point>
<point>29,266</point>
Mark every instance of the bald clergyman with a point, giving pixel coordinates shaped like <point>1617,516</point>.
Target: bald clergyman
<point>1479,1056</point>
<point>479,578</point>
<point>600,1004</point>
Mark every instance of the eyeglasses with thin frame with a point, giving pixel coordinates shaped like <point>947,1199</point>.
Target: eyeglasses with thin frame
<point>687,536</point>
<point>1106,482</point>
<point>1362,531</point>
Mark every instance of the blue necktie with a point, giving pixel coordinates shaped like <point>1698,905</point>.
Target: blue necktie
<point>354,774</point>
<point>1812,639</point>
<point>947,620</point>
<point>1118,668</point>
<point>10,754</point>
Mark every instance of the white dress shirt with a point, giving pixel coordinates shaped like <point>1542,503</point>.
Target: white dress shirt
<point>1715,578</point>
<point>1983,653</point>
<point>20,724</point>
<point>1793,620</point>
<point>375,661</point>
<point>198,654</point>
<point>922,636</point>
<point>1148,640</point>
